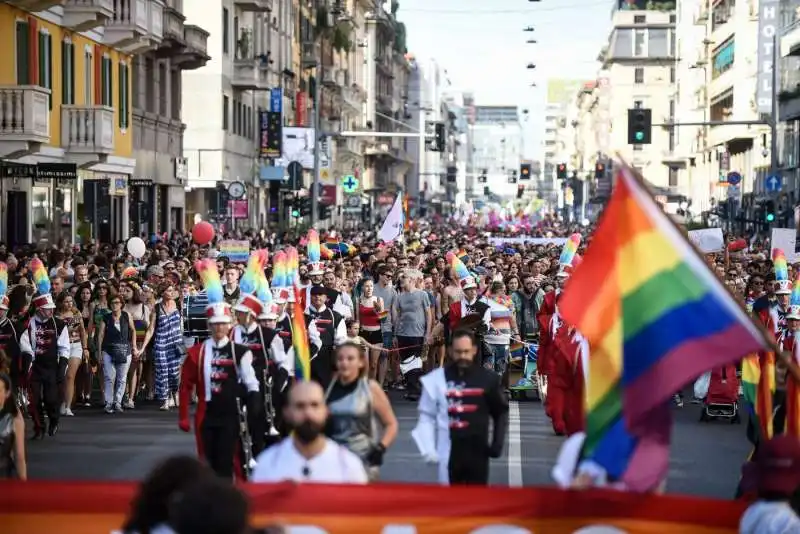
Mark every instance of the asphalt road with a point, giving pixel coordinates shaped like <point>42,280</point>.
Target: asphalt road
<point>706,457</point>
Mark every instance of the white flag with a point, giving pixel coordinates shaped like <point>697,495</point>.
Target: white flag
<point>393,225</point>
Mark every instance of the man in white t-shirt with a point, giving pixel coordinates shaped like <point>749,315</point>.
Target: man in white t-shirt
<point>307,455</point>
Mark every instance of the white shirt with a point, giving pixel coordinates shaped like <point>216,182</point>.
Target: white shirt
<point>769,518</point>
<point>334,465</point>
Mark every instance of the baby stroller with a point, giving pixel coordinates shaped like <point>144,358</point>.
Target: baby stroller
<point>722,400</point>
<point>530,381</point>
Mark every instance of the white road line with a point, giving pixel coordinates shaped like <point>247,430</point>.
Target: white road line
<point>514,446</point>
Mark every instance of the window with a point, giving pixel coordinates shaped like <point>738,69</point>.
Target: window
<point>175,93</point>
<point>226,37</point>
<point>225,112</point>
<point>150,84</point>
<point>722,59</point>
<point>673,177</point>
<point>23,54</point>
<point>639,43</point>
<point>67,73</point>
<point>638,75</point>
<point>106,75</point>
<point>639,19</point>
<point>46,62</point>
<point>124,95</point>
<point>88,69</point>
<point>672,75</point>
<point>163,88</point>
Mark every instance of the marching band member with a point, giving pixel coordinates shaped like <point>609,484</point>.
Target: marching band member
<point>457,402</point>
<point>316,271</point>
<point>9,336</point>
<point>330,328</point>
<point>44,348</point>
<point>218,368</point>
<point>248,332</point>
<point>558,349</point>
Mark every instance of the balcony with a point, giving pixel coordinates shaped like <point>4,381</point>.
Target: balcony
<point>384,65</point>
<point>195,53</point>
<point>384,104</point>
<point>137,25</point>
<point>35,5</point>
<point>173,40</point>
<point>257,6</point>
<point>84,15</point>
<point>348,147</point>
<point>332,77</point>
<point>24,119</point>
<point>87,133</point>
<point>790,40</point>
<point>352,98</point>
<point>674,159</point>
<point>250,70</point>
<point>378,150</point>
<point>310,55</point>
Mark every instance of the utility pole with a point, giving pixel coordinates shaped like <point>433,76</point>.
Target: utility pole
<point>315,187</point>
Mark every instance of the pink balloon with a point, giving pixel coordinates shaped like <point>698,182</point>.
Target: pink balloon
<point>203,233</point>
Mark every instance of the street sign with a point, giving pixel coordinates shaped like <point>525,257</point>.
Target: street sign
<point>773,183</point>
<point>734,178</point>
<point>350,184</point>
<point>295,173</point>
<point>353,202</point>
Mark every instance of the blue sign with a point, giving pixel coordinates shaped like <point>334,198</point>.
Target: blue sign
<point>773,183</point>
<point>276,100</point>
<point>734,178</point>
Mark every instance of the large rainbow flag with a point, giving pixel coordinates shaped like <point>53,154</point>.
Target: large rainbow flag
<point>302,349</point>
<point>656,318</point>
<point>758,386</point>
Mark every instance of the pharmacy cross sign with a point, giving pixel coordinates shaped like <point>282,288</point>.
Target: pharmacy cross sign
<point>350,184</point>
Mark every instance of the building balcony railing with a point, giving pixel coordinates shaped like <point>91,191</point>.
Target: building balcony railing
<point>24,117</point>
<point>790,40</point>
<point>309,54</point>
<point>352,98</point>
<point>251,74</point>
<point>87,130</point>
<point>173,25</point>
<point>257,6</point>
<point>84,15</point>
<point>137,25</point>
<point>35,5</point>
<point>195,53</point>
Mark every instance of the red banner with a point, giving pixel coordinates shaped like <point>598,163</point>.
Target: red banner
<point>89,508</point>
<point>300,114</point>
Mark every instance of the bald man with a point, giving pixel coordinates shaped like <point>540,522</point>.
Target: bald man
<point>307,455</point>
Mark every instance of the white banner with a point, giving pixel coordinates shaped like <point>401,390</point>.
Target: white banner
<point>707,240</point>
<point>527,240</point>
<point>786,240</point>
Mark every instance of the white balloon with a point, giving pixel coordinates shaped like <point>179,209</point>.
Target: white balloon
<point>136,247</point>
<point>600,529</point>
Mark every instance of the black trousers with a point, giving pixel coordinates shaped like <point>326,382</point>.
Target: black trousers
<point>469,462</point>
<point>409,347</point>
<point>322,366</point>
<point>221,443</point>
<point>44,397</point>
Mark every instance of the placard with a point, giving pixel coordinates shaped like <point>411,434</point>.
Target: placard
<point>527,240</point>
<point>707,240</point>
<point>68,507</point>
<point>786,240</point>
<point>235,251</point>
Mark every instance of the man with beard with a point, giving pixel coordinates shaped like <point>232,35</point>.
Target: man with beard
<point>308,455</point>
<point>457,402</point>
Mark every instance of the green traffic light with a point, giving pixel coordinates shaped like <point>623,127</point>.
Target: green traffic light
<point>295,213</point>
<point>639,136</point>
<point>770,217</point>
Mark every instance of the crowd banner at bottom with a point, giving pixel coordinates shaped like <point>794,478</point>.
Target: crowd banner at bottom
<point>100,508</point>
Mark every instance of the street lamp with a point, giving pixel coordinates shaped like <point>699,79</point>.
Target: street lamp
<point>531,41</point>
<point>528,29</point>
<point>531,66</point>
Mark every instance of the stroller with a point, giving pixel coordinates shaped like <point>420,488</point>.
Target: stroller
<point>722,400</point>
<point>530,381</point>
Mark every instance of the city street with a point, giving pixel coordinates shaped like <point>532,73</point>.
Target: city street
<point>706,457</point>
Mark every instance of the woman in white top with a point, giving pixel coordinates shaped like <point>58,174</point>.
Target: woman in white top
<point>307,455</point>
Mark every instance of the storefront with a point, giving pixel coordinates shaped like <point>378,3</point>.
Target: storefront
<point>103,208</point>
<point>39,202</point>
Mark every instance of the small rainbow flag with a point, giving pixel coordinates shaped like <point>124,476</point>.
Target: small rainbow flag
<point>383,314</point>
<point>517,350</point>
<point>758,386</point>
<point>655,318</point>
<point>302,350</point>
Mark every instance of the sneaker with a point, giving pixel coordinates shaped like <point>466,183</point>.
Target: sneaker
<point>129,405</point>
<point>165,407</point>
<point>108,408</point>
<point>118,407</point>
<point>68,413</point>
<point>63,409</point>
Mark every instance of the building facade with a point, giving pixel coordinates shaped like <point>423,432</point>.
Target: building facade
<point>66,135</point>
<point>156,189</point>
<point>497,139</point>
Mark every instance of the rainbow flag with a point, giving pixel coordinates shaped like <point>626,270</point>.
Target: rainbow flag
<point>758,386</point>
<point>517,350</point>
<point>302,350</point>
<point>655,318</point>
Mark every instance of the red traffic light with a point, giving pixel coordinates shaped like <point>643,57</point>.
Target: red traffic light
<point>562,167</point>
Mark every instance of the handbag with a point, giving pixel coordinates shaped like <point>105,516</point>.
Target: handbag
<point>118,352</point>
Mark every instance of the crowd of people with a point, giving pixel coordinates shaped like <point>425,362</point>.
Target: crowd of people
<point>438,316</point>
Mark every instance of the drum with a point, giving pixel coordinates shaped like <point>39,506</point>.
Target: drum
<point>193,315</point>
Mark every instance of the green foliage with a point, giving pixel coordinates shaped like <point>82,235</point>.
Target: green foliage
<point>400,38</point>
<point>395,7</point>
<point>341,39</point>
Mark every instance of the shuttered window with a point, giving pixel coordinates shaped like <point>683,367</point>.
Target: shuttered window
<point>124,96</point>
<point>46,63</point>
<point>23,54</point>
<point>106,74</point>
<point>67,73</point>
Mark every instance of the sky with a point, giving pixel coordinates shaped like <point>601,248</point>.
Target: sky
<point>482,46</point>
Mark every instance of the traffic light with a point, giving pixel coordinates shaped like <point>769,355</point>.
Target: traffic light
<point>769,211</point>
<point>482,179</point>
<point>301,207</point>
<point>525,171</point>
<point>599,171</point>
<point>438,137</point>
<point>561,171</point>
<point>640,126</point>
<point>520,190</point>
<point>222,199</point>
<point>486,190</point>
<point>324,212</point>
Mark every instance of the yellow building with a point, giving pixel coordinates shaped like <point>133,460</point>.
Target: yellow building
<point>65,116</point>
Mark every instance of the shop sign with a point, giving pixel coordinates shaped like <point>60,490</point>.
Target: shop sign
<point>56,171</point>
<point>13,170</point>
<point>181,170</point>
<point>385,200</point>
<point>140,182</point>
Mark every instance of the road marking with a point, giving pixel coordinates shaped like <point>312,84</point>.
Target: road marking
<point>514,446</point>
